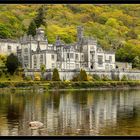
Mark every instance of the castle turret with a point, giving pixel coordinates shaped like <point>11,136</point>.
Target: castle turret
<point>40,34</point>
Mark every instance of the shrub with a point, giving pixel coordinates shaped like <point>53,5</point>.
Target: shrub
<point>5,71</point>
<point>67,83</point>
<point>75,77</point>
<point>55,76</point>
<point>28,78</point>
<point>83,75</point>
<point>89,77</point>
<point>43,69</point>
<point>1,73</point>
<point>96,77</point>
<point>115,78</point>
<point>105,78</point>
<point>12,63</point>
<point>37,77</point>
<point>124,78</point>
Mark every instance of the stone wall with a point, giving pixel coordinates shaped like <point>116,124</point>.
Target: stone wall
<point>68,75</point>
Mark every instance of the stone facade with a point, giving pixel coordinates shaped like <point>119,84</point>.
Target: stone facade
<point>67,58</point>
<point>8,46</point>
<point>85,53</point>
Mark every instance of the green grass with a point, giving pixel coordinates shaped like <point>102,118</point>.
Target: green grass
<point>71,85</point>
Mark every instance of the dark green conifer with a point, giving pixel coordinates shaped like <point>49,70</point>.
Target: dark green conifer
<point>32,28</point>
<point>12,63</point>
<point>83,75</point>
<point>55,76</point>
<point>40,17</point>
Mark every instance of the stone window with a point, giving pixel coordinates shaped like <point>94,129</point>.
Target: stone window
<point>9,48</point>
<point>53,65</point>
<point>52,57</point>
<point>77,66</point>
<point>71,66</point>
<point>71,55</point>
<point>110,58</point>
<point>111,67</point>
<point>26,61</point>
<point>76,56</point>
<point>100,59</point>
<point>41,59</point>
<point>91,57</point>
<point>26,50</point>
<point>82,57</point>
<point>107,67</point>
<point>68,55</point>
<point>35,62</point>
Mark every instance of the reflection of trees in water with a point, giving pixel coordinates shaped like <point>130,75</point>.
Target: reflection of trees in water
<point>73,112</point>
<point>12,107</point>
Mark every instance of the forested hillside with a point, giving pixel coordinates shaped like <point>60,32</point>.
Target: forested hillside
<point>116,27</point>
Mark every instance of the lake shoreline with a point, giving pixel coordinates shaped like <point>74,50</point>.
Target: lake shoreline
<point>67,85</point>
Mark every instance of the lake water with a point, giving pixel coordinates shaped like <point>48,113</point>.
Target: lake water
<point>70,112</point>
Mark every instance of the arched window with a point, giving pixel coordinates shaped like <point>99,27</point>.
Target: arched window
<point>35,62</point>
<point>41,59</point>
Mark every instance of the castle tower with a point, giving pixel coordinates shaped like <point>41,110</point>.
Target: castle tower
<point>40,34</point>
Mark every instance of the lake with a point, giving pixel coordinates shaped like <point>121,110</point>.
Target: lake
<point>92,113</point>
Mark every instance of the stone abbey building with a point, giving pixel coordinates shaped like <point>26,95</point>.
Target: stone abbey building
<point>33,52</point>
<point>85,53</point>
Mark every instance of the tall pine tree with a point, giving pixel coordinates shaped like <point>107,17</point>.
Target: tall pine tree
<point>40,17</point>
<point>55,76</point>
<point>32,28</point>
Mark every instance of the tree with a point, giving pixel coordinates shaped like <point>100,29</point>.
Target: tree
<point>83,75</point>
<point>32,28</point>
<point>136,62</point>
<point>40,18</point>
<point>12,63</point>
<point>55,76</point>
<point>43,69</point>
<point>132,34</point>
<point>4,31</point>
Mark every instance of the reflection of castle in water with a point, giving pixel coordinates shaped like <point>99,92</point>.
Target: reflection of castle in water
<point>73,113</point>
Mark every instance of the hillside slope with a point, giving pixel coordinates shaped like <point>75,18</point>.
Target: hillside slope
<point>115,26</point>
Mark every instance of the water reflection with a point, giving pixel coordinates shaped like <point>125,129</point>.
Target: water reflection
<point>71,113</point>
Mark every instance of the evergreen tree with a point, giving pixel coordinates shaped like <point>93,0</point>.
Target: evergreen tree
<point>83,75</point>
<point>40,18</point>
<point>55,76</point>
<point>12,63</point>
<point>43,69</point>
<point>136,62</point>
<point>32,28</point>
